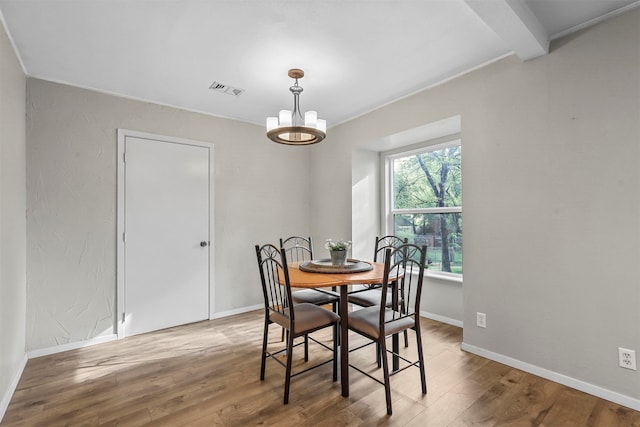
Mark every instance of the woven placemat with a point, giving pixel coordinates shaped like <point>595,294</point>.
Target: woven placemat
<point>325,266</point>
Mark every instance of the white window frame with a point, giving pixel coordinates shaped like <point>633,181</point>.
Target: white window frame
<point>389,210</point>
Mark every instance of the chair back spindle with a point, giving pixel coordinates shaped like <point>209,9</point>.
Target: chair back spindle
<point>385,242</point>
<point>297,248</point>
<point>404,270</point>
<point>274,275</point>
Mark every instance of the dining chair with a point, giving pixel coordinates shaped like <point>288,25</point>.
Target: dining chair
<point>299,249</point>
<point>299,320</point>
<point>371,295</point>
<point>403,271</point>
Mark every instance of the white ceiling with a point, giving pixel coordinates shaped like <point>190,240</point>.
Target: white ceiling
<point>357,54</point>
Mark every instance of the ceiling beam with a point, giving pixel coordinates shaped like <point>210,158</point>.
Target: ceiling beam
<point>515,24</point>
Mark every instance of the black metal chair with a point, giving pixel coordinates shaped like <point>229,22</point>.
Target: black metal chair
<point>298,319</point>
<point>403,273</point>
<point>371,294</point>
<point>299,249</point>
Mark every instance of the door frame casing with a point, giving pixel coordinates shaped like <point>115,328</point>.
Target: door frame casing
<point>120,227</point>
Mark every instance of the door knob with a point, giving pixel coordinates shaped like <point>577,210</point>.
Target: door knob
<point>203,243</point>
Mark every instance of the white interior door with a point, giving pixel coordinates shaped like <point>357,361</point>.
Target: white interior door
<point>166,234</point>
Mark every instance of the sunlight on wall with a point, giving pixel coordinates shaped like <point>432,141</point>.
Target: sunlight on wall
<point>362,201</point>
<point>365,211</point>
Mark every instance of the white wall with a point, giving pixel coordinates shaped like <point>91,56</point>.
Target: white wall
<point>12,220</point>
<point>551,172</point>
<point>365,202</point>
<point>261,194</point>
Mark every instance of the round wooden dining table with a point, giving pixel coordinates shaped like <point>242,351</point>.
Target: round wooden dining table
<point>306,279</point>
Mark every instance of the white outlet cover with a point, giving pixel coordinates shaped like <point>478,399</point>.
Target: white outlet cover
<point>627,358</point>
<point>481,320</point>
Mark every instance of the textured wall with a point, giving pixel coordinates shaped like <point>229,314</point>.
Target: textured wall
<point>551,171</point>
<point>12,218</point>
<point>261,193</point>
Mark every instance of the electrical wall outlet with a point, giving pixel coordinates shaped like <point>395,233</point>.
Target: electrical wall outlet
<point>481,320</point>
<point>627,358</point>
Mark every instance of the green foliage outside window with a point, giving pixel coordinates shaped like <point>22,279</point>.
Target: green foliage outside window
<point>427,204</point>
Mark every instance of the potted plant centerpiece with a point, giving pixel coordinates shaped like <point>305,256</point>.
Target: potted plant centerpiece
<point>338,251</point>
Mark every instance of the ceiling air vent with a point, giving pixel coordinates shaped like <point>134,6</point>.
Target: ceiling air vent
<point>229,90</point>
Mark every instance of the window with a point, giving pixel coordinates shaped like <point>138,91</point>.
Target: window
<point>424,193</point>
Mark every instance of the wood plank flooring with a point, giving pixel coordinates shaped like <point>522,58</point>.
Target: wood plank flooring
<point>207,374</point>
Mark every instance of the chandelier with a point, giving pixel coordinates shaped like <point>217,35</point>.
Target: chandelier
<point>290,127</point>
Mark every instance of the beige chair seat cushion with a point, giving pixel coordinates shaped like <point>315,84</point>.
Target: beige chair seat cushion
<point>308,317</point>
<point>367,321</point>
<point>313,296</point>
<point>369,297</point>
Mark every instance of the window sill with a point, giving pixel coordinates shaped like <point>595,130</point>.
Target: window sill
<point>457,278</point>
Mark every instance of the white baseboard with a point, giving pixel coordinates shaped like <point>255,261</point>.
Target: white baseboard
<point>71,346</point>
<point>594,390</point>
<point>443,319</point>
<point>237,311</point>
<point>6,399</point>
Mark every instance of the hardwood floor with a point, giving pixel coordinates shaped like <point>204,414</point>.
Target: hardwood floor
<point>207,373</point>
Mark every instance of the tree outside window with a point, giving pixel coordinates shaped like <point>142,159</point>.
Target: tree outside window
<point>427,203</point>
